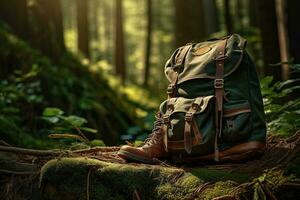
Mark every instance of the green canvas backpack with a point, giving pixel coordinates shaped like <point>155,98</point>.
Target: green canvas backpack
<point>214,98</point>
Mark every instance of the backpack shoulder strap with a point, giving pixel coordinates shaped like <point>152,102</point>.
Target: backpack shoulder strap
<point>179,59</point>
<point>219,90</point>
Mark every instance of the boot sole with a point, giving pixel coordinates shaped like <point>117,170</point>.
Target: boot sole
<point>133,157</point>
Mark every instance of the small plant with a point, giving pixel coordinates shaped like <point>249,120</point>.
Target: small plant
<point>69,127</point>
<point>282,105</point>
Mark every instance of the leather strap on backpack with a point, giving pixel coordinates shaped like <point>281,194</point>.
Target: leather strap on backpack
<point>190,124</point>
<point>166,122</point>
<point>179,58</point>
<point>219,90</point>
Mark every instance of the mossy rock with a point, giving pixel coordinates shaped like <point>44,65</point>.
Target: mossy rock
<point>67,178</point>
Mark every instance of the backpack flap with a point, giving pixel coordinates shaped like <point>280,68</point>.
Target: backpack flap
<point>188,123</point>
<point>200,60</point>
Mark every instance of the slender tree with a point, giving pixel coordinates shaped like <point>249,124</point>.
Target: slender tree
<point>108,32</point>
<point>148,43</point>
<point>252,12</point>
<point>48,28</point>
<point>293,29</point>
<point>119,42</point>
<point>211,16</point>
<point>15,13</point>
<point>228,19</point>
<point>189,21</point>
<point>282,37</point>
<point>269,34</point>
<point>83,27</point>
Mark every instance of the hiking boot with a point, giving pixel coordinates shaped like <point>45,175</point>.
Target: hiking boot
<point>152,148</point>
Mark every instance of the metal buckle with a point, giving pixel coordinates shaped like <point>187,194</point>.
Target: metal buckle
<point>171,89</point>
<point>219,83</point>
<point>189,117</point>
<point>220,58</point>
<point>166,119</point>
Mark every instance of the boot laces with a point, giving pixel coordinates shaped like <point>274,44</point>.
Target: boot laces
<point>156,132</point>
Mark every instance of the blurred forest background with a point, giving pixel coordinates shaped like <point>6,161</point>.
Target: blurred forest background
<point>90,72</point>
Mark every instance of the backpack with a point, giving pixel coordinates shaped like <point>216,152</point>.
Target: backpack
<point>214,99</point>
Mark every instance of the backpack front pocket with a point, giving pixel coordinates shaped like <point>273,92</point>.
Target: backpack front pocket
<point>237,122</point>
<point>189,124</point>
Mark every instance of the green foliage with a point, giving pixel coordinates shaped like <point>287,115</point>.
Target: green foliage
<point>68,127</point>
<point>210,175</point>
<point>281,107</point>
<point>270,180</point>
<point>34,83</point>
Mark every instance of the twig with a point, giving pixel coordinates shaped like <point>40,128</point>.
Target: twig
<point>82,135</point>
<point>137,194</point>
<point>4,143</point>
<point>33,152</point>
<point>88,184</point>
<point>96,149</point>
<point>16,172</point>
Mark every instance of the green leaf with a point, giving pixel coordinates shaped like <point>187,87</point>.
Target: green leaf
<point>91,130</point>
<point>94,143</point>
<point>75,120</point>
<point>52,120</point>
<point>49,112</point>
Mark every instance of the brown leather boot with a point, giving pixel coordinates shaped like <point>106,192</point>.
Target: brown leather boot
<point>153,146</point>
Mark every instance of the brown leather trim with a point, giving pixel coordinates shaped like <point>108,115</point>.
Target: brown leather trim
<point>219,91</point>
<point>236,153</point>
<point>189,124</point>
<point>166,122</point>
<point>233,112</point>
<point>179,144</point>
<point>179,58</point>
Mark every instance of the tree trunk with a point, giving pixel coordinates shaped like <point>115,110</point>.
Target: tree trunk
<point>228,19</point>
<point>253,14</point>
<point>15,13</point>
<point>96,19</point>
<point>283,37</point>
<point>294,31</point>
<point>108,32</point>
<point>48,28</point>
<point>83,27</point>
<point>211,16</point>
<point>119,42</point>
<point>239,15</point>
<point>269,34</point>
<point>189,21</point>
<point>148,43</point>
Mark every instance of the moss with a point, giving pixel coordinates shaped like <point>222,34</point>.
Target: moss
<point>107,180</point>
<point>294,167</point>
<point>219,189</point>
<point>211,175</point>
<point>182,188</point>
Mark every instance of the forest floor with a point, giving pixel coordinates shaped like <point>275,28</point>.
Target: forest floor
<point>36,174</point>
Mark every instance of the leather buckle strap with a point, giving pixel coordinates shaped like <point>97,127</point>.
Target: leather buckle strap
<point>189,124</point>
<point>179,58</point>
<point>219,83</point>
<point>189,116</point>
<point>221,57</point>
<point>171,89</point>
<point>166,122</point>
<point>219,91</point>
